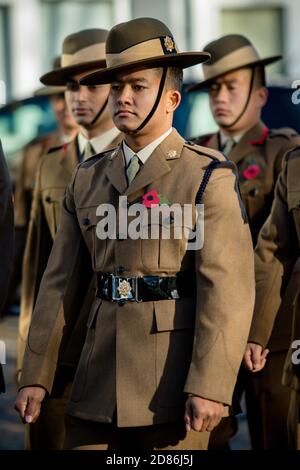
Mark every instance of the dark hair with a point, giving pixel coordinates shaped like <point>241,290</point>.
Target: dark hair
<point>174,78</point>
<point>260,77</point>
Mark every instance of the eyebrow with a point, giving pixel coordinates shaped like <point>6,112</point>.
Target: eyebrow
<point>131,80</point>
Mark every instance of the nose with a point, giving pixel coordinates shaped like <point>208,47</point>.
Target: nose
<point>222,95</point>
<point>81,93</point>
<point>125,95</point>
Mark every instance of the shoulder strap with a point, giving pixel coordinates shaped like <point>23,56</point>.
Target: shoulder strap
<point>205,180</point>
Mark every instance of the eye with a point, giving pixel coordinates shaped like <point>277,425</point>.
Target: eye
<point>92,87</point>
<point>115,87</point>
<point>138,87</point>
<point>72,86</point>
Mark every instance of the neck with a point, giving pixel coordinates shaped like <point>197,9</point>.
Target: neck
<point>139,141</point>
<point>69,132</point>
<point>239,130</point>
<point>95,131</point>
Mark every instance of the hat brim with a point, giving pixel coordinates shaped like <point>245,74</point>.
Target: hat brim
<point>182,60</point>
<point>59,77</point>
<point>49,90</point>
<point>206,83</point>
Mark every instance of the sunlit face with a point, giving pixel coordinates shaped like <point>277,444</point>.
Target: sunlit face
<point>85,102</point>
<point>228,96</point>
<point>132,97</point>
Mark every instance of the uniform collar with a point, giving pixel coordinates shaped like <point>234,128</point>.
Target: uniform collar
<point>100,142</point>
<point>145,153</point>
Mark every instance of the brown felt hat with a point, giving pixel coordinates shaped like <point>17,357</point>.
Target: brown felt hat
<point>229,53</point>
<point>51,90</point>
<point>141,43</point>
<point>82,51</point>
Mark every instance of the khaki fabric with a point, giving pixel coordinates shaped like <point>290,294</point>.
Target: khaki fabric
<point>185,345</point>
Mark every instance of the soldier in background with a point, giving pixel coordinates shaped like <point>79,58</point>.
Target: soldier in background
<point>235,80</point>
<point>6,237</point>
<point>82,52</point>
<point>66,130</point>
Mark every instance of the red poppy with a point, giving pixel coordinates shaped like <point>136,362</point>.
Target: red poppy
<point>251,172</point>
<point>151,199</point>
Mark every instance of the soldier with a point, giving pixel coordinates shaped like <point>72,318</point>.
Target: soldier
<point>81,52</point>
<point>276,253</point>
<point>235,80</point>
<point>66,130</point>
<point>6,237</point>
<point>161,306</point>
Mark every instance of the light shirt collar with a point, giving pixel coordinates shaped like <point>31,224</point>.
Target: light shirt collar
<point>145,153</point>
<point>100,142</point>
<point>224,138</point>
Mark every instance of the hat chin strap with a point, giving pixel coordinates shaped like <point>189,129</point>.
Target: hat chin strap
<point>98,114</point>
<point>228,126</point>
<point>154,108</point>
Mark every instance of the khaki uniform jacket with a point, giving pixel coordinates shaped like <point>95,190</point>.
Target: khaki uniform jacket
<point>277,251</point>
<point>140,358</point>
<point>6,236</point>
<point>53,176</point>
<point>258,156</point>
<point>31,157</point>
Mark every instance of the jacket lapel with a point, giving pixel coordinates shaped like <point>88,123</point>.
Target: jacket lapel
<point>115,170</point>
<point>69,157</point>
<point>247,143</point>
<point>157,164</point>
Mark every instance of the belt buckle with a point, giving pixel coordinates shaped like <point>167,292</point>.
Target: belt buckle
<point>124,288</point>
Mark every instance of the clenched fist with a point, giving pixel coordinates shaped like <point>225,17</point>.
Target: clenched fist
<point>28,403</point>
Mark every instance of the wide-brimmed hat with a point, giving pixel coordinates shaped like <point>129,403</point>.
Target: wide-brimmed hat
<point>81,52</point>
<point>229,53</point>
<point>51,90</point>
<point>141,43</point>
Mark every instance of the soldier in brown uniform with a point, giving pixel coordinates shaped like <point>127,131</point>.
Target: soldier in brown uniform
<point>276,253</point>
<point>6,237</point>
<point>234,78</point>
<point>66,130</point>
<point>168,320</point>
<point>81,52</point>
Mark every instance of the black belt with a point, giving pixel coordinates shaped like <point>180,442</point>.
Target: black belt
<point>144,288</point>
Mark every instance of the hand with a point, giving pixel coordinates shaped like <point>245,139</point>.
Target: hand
<point>28,403</point>
<point>202,414</point>
<point>255,357</point>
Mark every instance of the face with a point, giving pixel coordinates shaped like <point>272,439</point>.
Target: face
<point>132,97</point>
<point>85,102</point>
<point>63,117</point>
<point>228,95</point>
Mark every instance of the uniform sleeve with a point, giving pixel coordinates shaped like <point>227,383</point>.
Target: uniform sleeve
<point>37,250</point>
<point>6,229</point>
<point>225,290</point>
<point>275,255</point>
<point>53,301</point>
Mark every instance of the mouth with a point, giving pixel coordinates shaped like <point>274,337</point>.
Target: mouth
<point>80,111</point>
<point>221,112</point>
<point>124,113</point>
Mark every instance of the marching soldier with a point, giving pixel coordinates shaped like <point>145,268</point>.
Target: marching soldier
<point>31,155</point>
<point>6,237</point>
<point>276,253</point>
<point>235,80</point>
<point>161,306</point>
<point>81,52</point>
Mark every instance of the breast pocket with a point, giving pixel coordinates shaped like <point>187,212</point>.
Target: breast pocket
<point>164,242</point>
<point>52,201</point>
<point>97,247</point>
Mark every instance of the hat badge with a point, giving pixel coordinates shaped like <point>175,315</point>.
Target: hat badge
<point>169,44</point>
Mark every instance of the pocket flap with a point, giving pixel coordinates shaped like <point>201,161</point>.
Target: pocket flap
<point>174,314</point>
<point>87,217</point>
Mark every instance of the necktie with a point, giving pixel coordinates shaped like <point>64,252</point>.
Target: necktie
<point>228,146</point>
<point>89,151</point>
<point>133,168</point>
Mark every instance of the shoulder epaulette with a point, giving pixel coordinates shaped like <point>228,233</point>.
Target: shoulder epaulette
<point>202,139</point>
<point>208,152</point>
<point>286,132</point>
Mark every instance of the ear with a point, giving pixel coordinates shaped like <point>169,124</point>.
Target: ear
<point>173,100</point>
<point>262,95</point>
